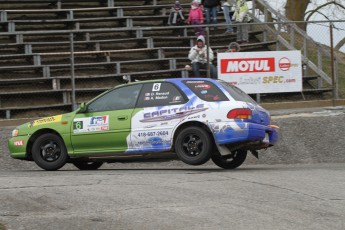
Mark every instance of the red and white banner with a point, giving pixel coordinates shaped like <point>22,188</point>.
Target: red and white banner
<point>262,72</point>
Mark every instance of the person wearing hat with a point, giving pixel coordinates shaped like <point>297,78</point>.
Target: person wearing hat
<point>196,17</point>
<point>234,47</point>
<point>198,57</point>
<point>176,18</point>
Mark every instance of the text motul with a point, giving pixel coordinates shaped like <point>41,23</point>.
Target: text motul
<point>247,65</point>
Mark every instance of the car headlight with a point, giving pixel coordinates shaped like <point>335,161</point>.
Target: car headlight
<point>15,132</point>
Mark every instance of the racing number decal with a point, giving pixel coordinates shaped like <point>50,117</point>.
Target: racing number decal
<point>156,87</point>
<point>78,125</point>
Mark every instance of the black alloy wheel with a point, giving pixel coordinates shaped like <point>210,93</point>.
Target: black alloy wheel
<point>87,165</point>
<point>49,152</point>
<point>193,146</point>
<point>231,160</point>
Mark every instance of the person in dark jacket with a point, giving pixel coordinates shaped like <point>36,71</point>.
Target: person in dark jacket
<point>211,9</point>
<point>176,18</point>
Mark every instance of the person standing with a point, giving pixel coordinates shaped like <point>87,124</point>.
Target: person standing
<point>226,10</point>
<point>176,18</point>
<point>241,10</point>
<point>196,17</point>
<point>198,57</point>
<point>211,9</point>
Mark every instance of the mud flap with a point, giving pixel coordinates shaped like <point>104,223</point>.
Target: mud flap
<point>255,153</point>
<point>223,150</point>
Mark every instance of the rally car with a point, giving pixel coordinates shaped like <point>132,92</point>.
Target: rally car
<point>196,118</point>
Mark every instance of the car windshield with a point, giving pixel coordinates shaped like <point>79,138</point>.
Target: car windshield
<point>237,93</point>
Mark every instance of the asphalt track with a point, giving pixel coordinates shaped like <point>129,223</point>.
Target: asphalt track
<point>183,197</point>
<point>298,184</point>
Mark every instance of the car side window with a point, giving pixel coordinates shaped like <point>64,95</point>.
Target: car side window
<point>160,94</point>
<point>116,99</point>
<point>206,90</point>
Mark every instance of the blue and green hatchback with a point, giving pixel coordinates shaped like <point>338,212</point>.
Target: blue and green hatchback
<point>196,118</point>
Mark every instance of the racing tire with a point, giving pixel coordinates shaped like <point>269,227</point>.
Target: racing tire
<point>49,152</point>
<point>87,165</point>
<point>193,146</point>
<point>229,161</point>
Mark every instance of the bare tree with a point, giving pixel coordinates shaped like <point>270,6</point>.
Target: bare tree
<point>296,10</point>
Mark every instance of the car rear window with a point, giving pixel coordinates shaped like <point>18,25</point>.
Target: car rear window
<point>237,93</point>
<point>206,90</point>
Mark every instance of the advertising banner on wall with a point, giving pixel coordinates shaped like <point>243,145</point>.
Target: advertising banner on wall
<point>262,72</point>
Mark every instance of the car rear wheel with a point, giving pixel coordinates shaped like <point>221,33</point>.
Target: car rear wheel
<point>87,165</point>
<point>49,152</point>
<point>229,161</point>
<point>193,146</point>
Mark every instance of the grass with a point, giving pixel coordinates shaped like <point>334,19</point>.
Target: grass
<point>2,227</point>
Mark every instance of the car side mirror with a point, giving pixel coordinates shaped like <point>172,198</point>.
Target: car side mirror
<point>82,107</point>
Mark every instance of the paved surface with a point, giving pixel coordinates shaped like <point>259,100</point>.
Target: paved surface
<point>297,184</point>
<point>252,197</point>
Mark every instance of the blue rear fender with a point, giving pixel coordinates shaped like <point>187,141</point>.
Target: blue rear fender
<point>238,130</point>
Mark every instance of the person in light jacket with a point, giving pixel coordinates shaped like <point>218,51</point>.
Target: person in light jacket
<point>241,10</point>
<point>198,57</point>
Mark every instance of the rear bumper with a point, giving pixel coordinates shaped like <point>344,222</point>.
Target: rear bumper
<point>238,131</point>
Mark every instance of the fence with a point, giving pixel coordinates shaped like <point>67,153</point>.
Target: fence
<point>54,69</point>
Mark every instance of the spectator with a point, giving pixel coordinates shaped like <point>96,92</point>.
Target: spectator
<point>241,10</point>
<point>211,9</point>
<point>176,18</point>
<point>234,47</point>
<point>196,17</point>
<point>226,10</point>
<point>198,57</point>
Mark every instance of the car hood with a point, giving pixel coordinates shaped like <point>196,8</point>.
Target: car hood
<point>53,122</point>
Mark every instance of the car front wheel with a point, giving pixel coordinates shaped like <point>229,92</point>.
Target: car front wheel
<point>193,146</point>
<point>229,161</point>
<point>87,165</point>
<point>49,152</point>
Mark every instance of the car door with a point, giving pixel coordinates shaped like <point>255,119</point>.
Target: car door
<point>159,109</point>
<point>106,123</point>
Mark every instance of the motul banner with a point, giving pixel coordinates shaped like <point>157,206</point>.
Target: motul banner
<point>262,72</point>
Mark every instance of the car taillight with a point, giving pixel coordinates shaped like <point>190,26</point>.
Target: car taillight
<point>240,114</point>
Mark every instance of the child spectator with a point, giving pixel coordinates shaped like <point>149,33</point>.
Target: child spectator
<point>196,17</point>
<point>176,18</point>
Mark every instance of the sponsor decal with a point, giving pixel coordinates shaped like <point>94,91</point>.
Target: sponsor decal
<point>174,113</point>
<point>91,124</point>
<point>18,143</point>
<point>203,92</point>
<point>284,64</point>
<point>46,120</point>
<point>177,99</point>
<point>247,65</point>
<point>202,86</point>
